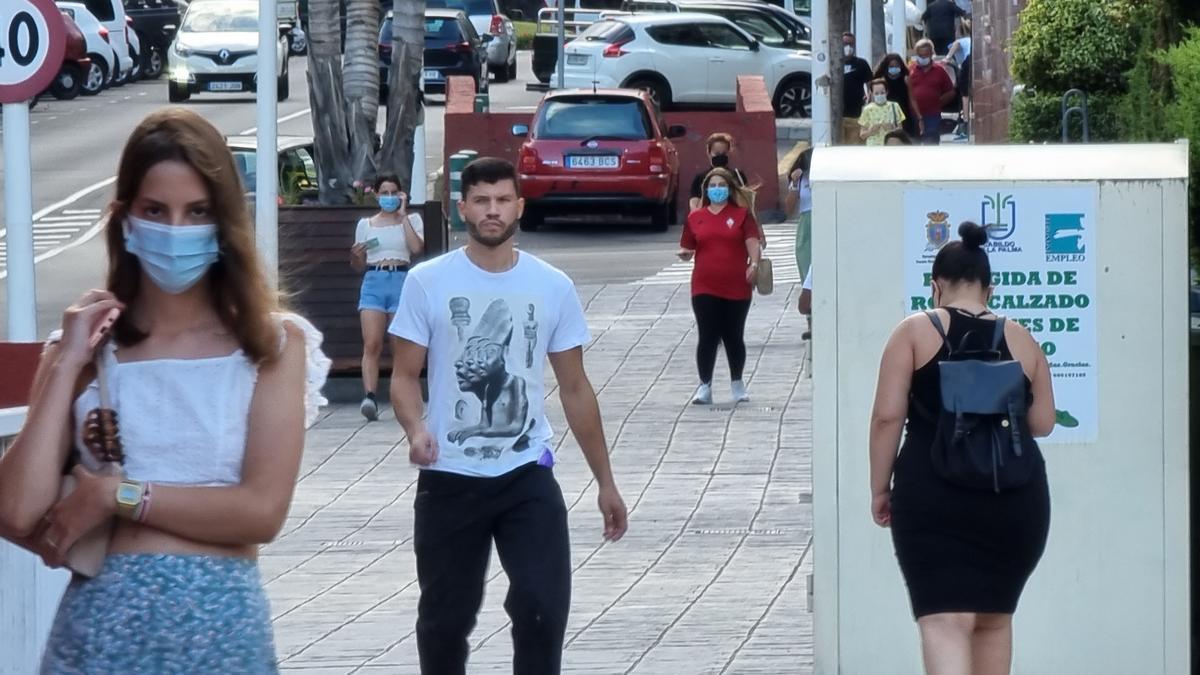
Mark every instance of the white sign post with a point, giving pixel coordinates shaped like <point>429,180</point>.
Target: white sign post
<point>32,41</point>
<point>266,204</point>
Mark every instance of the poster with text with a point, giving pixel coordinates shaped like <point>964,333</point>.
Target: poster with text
<point>1042,247</point>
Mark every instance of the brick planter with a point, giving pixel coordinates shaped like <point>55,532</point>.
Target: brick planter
<point>315,272</point>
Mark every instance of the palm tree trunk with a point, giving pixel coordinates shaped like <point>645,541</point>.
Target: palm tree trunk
<point>328,105</point>
<point>404,106</point>
<point>361,81</point>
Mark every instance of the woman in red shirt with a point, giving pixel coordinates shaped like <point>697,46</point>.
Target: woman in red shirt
<point>723,236</point>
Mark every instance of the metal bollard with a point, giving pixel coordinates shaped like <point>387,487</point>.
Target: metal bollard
<point>458,162</point>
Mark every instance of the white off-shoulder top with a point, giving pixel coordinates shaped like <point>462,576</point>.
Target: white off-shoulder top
<point>185,421</point>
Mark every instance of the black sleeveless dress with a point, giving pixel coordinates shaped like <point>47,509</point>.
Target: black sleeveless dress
<point>961,550</point>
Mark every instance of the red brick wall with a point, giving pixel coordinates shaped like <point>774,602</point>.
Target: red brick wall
<point>18,362</point>
<point>752,124</point>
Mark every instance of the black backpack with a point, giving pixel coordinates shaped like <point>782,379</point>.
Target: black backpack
<point>983,440</point>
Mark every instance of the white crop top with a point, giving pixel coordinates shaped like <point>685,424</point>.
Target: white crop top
<point>184,421</point>
<point>392,243</point>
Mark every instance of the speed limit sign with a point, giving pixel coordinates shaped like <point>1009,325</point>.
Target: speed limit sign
<point>32,40</point>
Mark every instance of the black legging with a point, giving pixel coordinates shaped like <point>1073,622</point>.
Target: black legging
<point>720,321</point>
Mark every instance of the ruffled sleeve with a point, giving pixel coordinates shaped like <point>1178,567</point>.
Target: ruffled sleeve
<point>316,364</point>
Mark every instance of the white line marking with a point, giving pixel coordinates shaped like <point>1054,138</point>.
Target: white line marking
<point>281,120</point>
<point>90,212</point>
<point>65,219</point>
<point>88,236</point>
<point>69,200</point>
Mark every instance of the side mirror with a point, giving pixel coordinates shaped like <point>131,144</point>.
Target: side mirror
<point>520,130</point>
<point>676,131</point>
<point>754,45</point>
<point>516,14</point>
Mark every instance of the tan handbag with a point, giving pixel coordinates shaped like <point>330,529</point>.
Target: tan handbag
<point>764,282</point>
<point>100,453</point>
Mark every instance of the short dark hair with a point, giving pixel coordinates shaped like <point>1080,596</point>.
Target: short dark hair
<point>387,178</point>
<point>490,170</point>
<point>965,260</point>
<point>899,135</point>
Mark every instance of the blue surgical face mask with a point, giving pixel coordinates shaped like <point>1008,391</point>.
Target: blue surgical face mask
<point>924,61</point>
<point>718,194</point>
<point>175,257</point>
<point>389,203</point>
<point>894,71</point>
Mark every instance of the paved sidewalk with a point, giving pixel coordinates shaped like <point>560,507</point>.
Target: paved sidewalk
<point>711,578</point>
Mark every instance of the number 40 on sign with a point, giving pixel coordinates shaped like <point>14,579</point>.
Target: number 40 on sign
<point>32,41</point>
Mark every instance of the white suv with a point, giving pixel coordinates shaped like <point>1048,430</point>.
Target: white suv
<point>687,58</point>
<point>216,50</point>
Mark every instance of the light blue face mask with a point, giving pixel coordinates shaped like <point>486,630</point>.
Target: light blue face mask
<point>389,203</point>
<point>718,194</point>
<point>175,257</point>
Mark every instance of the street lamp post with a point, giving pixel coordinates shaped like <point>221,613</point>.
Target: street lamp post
<point>266,194</point>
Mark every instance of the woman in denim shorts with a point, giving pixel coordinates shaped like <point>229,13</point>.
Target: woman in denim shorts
<point>384,246</point>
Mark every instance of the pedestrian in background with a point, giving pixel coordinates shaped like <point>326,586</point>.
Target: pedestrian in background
<point>856,72</point>
<point>384,247</point>
<point>965,552</point>
<point>931,91</point>
<point>960,58</point>
<point>880,117</point>
<point>719,146</point>
<point>893,71</point>
<point>941,23</point>
<point>723,237</point>
<point>799,199</point>
<point>212,386</point>
<point>485,318</point>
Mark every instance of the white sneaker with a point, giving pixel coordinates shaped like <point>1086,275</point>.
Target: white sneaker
<point>369,408</point>
<point>740,395</point>
<point>703,395</point>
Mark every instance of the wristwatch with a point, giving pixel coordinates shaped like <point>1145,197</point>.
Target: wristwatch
<point>129,497</point>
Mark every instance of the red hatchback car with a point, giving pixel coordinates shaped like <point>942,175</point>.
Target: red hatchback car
<point>607,150</point>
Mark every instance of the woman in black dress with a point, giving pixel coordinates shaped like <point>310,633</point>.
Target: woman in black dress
<point>965,554</point>
<point>891,69</point>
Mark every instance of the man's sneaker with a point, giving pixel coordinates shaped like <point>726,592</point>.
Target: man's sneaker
<point>703,395</point>
<point>369,408</point>
<point>740,395</point>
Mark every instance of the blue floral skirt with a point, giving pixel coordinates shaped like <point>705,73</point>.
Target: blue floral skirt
<point>150,613</point>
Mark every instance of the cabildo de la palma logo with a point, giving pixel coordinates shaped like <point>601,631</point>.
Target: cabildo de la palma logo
<point>998,214</point>
<point>1064,237</point>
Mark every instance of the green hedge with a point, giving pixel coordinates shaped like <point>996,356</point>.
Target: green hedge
<point>525,32</point>
<point>1063,44</point>
<point>1183,113</point>
<point>1037,118</point>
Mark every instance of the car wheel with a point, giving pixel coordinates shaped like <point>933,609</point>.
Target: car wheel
<point>660,217</point>
<point>96,76</point>
<point>120,72</point>
<point>177,92</point>
<point>794,98</point>
<point>152,63</point>
<point>68,83</point>
<point>532,219</point>
<point>281,90</point>
<point>659,91</point>
<point>501,73</point>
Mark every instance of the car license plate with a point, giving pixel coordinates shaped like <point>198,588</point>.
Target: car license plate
<point>592,162</point>
<point>224,86</point>
<point>433,75</point>
<point>577,59</point>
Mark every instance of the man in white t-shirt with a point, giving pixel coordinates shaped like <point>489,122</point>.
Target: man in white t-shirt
<point>486,317</point>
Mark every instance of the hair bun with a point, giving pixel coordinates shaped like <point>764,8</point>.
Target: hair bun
<point>973,235</point>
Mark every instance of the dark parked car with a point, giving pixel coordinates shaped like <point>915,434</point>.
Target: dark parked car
<point>76,64</point>
<point>607,149</point>
<point>155,22</point>
<point>452,47</point>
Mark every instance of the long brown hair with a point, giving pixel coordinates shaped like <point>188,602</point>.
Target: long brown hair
<point>739,194</point>
<point>239,290</point>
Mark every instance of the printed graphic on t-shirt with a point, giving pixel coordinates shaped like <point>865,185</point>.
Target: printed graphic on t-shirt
<point>492,413</point>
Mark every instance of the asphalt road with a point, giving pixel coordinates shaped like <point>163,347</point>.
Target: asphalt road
<point>77,144</point>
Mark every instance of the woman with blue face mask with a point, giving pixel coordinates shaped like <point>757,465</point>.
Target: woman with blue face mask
<point>894,73</point>
<point>384,247</point>
<point>212,387</point>
<point>724,239</point>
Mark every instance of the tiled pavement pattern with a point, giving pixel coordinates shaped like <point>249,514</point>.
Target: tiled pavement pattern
<point>711,578</point>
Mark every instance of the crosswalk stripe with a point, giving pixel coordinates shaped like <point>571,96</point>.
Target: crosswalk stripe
<point>781,244</point>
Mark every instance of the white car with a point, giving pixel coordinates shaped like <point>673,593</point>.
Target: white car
<point>216,50</point>
<point>111,14</point>
<point>687,58</point>
<point>104,61</point>
<point>486,17</point>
